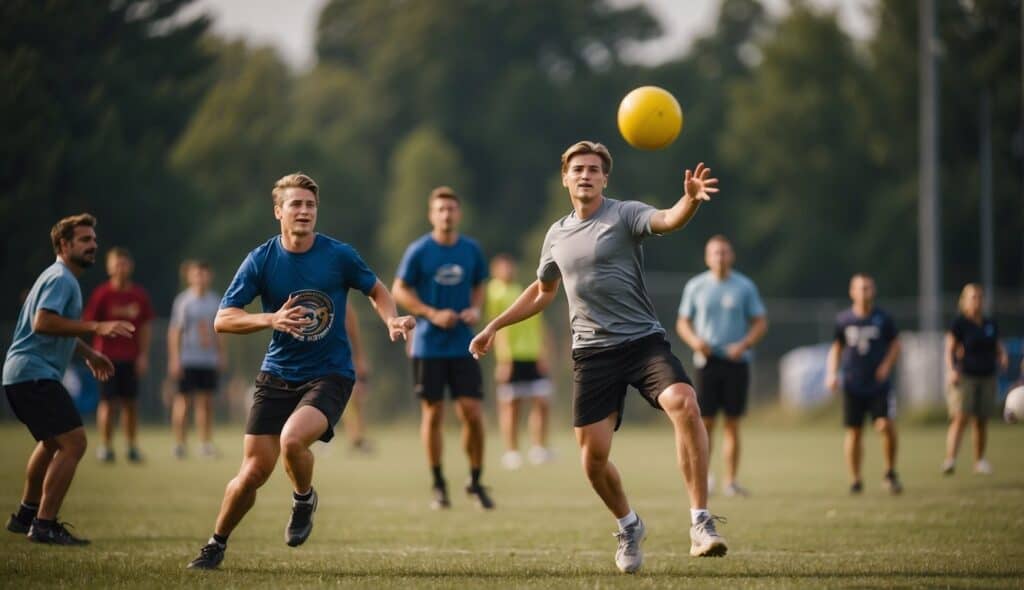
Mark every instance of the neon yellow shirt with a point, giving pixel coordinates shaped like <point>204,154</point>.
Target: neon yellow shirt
<point>522,341</point>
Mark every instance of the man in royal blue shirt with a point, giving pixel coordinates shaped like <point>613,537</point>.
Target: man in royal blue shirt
<point>441,280</point>
<point>867,344</point>
<point>302,279</point>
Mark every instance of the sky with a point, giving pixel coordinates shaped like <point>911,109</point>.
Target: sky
<point>290,25</point>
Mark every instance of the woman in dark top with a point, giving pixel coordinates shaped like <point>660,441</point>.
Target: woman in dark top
<point>974,356</point>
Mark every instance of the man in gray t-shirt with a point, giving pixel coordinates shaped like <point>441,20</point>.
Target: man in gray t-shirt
<point>616,338</point>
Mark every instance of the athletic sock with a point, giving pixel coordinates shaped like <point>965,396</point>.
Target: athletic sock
<point>474,475</point>
<point>26,512</point>
<point>303,497</point>
<point>698,514</point>
<point>627,520</point>
<point>438,476</point>
<point>219,539</point>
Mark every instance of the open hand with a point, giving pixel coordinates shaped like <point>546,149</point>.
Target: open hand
<point>101,367</point>
<point>115,329</point>
<point>482,343</point>
<point>290,319</point>
<point>699,184</point>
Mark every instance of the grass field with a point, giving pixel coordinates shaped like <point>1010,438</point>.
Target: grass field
<point>374,530</point>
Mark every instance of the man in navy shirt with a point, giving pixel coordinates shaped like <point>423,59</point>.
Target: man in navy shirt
<point>867,345</point>
<point>441,280</point>
<point>302,279</point>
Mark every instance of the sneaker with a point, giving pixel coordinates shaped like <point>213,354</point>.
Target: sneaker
<point>16,525</point>
<point>948,466</point>
<point>180,452</point>
<point>478,494</point>
<point>512,460</point>
<point>705,540</point>
<point>983,467</point>
<point>105,454</point>
<point>736,490</point>
<point>301,522</point>
<point>856,487</point>
<point>209,451</point>
<point>540,455</point>
<point>210,556</point>
<point>57,534</point>
<point>134,455</point>
<point>363,447</point>
<point>891,483</point>
<point>629,556</point>
<point>440,499</point>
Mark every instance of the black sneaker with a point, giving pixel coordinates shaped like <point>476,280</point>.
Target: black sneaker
<point>16,525</point>
<point>135,456</point>
<point>301,522</point>
<point>478,494</point>
<point>891,483</point>
<point>56,534</point>
<point>856,487</point>
<point>209,558</point>
<point>440,499</point>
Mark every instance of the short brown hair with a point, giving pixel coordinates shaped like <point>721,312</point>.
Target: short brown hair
<point>719,238</point>
<point>119,252</point>
<point>443,192</point>
<point>294,180</point>
<point>588,147</point>
<point>65,229</point>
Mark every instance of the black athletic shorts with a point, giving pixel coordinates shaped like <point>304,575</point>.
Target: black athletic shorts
<point>276,399</point>
<point>525,372</point>
<point>601,375</point>
<point>461,374</point>
<point>124,384</point>
<point>723,384</point>
<point>856,407</point>
<point>44,406</point>
<point>197,380</point>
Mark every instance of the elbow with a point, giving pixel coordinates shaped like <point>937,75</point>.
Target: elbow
<point>220,325</point>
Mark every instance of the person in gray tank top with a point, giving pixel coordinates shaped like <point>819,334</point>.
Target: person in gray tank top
<point>596,250</point>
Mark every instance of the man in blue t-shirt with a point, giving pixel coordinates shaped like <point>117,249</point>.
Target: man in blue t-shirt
<point>721,317</point>
<point>49,331</point>
<point>441,280</point>
<point>867,345</point>
<point>302,279</point>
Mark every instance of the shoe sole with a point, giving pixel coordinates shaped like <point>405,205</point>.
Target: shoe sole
<point>716,549</point>
<point>196,566</point>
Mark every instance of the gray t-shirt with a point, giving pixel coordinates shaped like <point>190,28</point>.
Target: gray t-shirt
<point>601,261</point>
<point>193,314</point>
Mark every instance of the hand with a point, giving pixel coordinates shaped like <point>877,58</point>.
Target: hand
<point>400,327</point>
<point>503,372</point>
<point>704,348</point>
<point>470,315</point>
<point>174,369</point>
<point>953,377</point>
<point>735,351</point>
<point>290,319</point>
<point>832,382</point>
<point>699,183</point>
<point>882,373</point>
<point>443,318</point>
<point>101,367</point>
<point>114,329</point>
<point>482,343</point>
<point>141,365</point>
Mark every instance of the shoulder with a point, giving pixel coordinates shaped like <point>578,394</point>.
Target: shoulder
<point>468,242</point>
<point>558,224</point>
<point>845,316</point>
<point>263,250</point>
<point>419,244</point>
<point>334,245</point>
<point>742,280</point>
<point>698,281</point>
<point>882,316</point>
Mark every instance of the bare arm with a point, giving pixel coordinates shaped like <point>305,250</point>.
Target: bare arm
<point>832,366</point>
<point>532,301</point>
<point>355,339</point>
<point>384,304</point>
<point>471,314</point>
<point>684,327</point>
<point>52,324</point>
<point>1003,358</point>
<point>756,331</point>
<point>699,185</point>
<point>885,368</point>
<point>174,351</point>
<point>406,296</point>
<point>949,356</point>
<point>234,320</point>
<point>97,362</point>
<point>144,336</point>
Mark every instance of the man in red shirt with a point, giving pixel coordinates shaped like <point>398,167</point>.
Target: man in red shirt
<point>121,299</point>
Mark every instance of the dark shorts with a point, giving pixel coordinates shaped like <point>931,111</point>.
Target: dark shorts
<point>856,407</point>
<point>44,406</point>
<point>198,380</point>
<point>601,375</point>
<point>525,372</point>
<point>124,384</point>
<point>276,399</point>
<point>461,375</point>
<point>722,385</point>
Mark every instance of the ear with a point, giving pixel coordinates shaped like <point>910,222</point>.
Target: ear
<point>277,212</point>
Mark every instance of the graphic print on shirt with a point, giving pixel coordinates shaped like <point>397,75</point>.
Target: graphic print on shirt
<point>318,307</point>
<point>859,337</point>
<point>449,275</point>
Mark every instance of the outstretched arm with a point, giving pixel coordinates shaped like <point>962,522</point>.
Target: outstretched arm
<point>398,326</point>
<point>532,301</point>
<point>699,185</point>
<point>54,324</point>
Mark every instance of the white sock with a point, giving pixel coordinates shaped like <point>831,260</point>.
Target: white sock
<point>627,520</point>
<point>698,514</point>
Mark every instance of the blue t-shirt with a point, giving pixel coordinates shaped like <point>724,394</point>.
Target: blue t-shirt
<point>865,342</point>
<point>319,279</point>
<point>444,278</point>
<point>721,311</point>
<point>35,356</point>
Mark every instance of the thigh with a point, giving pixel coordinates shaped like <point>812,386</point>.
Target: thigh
<point>465,378</point>
<point>330,395</point>
<point>652,369</point>
<point>736,389</point>
<point>598,387</point>
<point>596,438</point>
<point>429,377</point>
<point>44,407</point>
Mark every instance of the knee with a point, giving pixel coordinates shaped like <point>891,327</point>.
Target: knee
<point>471,413</point>
<point>292,446</point>
<point>883,426</point>
<point>594,462</point>
<point>253,475</point>
<point>680,401</point>
<point>432,415</point>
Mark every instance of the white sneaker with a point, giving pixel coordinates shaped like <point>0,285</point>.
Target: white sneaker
<point>629,556</point>
<point>982,467</point>
<point>512,460</point>
<point>209,451</point>
<point>735,490</point>
<point>948,466</point>
<point>540,455</point>
<point>705,540</point>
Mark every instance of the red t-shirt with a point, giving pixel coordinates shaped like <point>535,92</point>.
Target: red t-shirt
<point>107,303</point>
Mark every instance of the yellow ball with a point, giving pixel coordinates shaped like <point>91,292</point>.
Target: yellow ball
<point>650,118</point>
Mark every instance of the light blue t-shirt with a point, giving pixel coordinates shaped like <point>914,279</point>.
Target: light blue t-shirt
<point>721,311</point>
<point>444,278</point>
<point>193,315</point>
<point>35,356</point>
<point>319,278</point>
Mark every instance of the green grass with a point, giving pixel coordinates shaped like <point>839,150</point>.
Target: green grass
<point>374,530</point>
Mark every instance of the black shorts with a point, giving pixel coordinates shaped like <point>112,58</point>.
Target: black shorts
<point>601,375</point>
<point>276,399</point>
<point>44,406</point>
<point>124,384</point>
<point>723,384</point>
<point>461,374</point>
<point>856,407</point>
<point>525,372</point>
<point>197,380</point>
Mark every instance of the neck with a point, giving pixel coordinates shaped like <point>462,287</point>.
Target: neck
<point>297,244</point>
<point>74,268</point>
<point>721,274</point>
<point>974,316</point>
<point>119,283</point>
<point>445,238</point>
<point>586,209</point>
<point>199,290</point>
<point>863,309</point>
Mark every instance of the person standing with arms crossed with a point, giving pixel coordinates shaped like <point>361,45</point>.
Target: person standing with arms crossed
<point>866,345</point>
<point>441,281</point>
<point>617,341</point>
<point>721,317</point>
<point>47,334</point>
